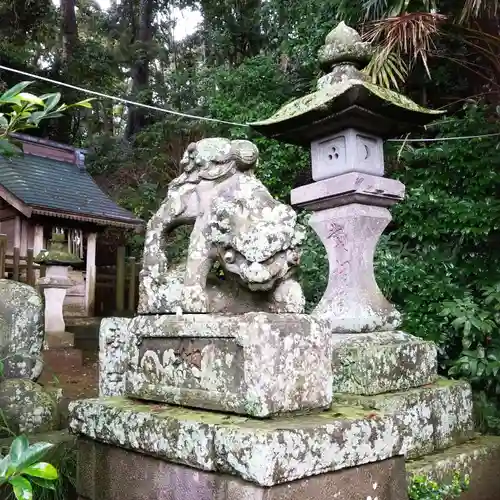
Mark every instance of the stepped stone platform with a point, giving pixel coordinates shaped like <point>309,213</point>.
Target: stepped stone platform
<point>273,451</point>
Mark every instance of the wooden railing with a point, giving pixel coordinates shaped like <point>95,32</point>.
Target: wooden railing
<point>16,266</point>
<point>117,286</point>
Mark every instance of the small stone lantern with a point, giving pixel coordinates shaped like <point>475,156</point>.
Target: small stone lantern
<point>344,122</point>
<point>54,284</point>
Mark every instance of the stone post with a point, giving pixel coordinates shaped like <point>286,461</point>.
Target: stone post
<point>55,283</point>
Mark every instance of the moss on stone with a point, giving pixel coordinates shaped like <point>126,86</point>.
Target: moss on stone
<point>340,412</point>
<point>462,459</point>
<point>57,254</point>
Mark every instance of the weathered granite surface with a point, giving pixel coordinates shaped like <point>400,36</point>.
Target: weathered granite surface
<point>29,408</point>
<point>224,294</point>
<point>282,449</point>
<point>113,348</point>
<point>376,363</point>
<point>21,330</point>
<point>237,223</point>
<point>111,473</point>
<point>353,302</point>
<point>436,416</point>
<point>255,364</point>
<point>352,187</point>
<point>266,452</point>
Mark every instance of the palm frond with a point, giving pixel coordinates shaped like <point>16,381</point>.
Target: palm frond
<point>349,11</point>
<point>376,9</point>
<point>387,69</point>
<point>475,8</point>
<point>380,9</point>
<point>410,34</point>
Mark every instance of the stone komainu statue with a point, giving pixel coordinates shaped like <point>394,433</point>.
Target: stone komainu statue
<point>237,223</point>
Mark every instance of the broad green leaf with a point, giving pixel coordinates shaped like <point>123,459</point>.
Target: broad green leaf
<point>51,100</point>
<point>43,483</point>
<point>458,322</point>
<point>53,114</point>
<point>18,448</point>
<point>43,470</point>
<point>470,354</point>
<point>8,149</point>
<point>4,123</point>
<point>83,104</point>
<point>34,454</point>
<point>14,91</point>
<point>22,488</point>
<point>31,98</point>
<point>4,466</point>
<point>36,117</point>
<point>467,327</point>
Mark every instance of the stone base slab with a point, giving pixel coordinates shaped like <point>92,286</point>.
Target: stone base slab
<point>376,363</point>
<point>278,450</point>
<point>257,364</point>
<point>436,416</point>
<point>110,473</point>
<point>479,458</point>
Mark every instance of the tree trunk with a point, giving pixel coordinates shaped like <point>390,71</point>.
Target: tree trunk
<point>69,30</point>
<point>137,117</point>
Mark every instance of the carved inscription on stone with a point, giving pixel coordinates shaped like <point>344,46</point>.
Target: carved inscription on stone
<point>187,362</point>
<point>157,355</point>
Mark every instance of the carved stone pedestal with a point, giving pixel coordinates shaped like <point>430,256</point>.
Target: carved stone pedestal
<point>256,364</point>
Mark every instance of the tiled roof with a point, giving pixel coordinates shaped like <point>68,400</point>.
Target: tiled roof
<point>63,189</point>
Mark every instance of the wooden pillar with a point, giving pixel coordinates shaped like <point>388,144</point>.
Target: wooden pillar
<point>38,244</point>
<point>120,280</point>
<point>24,237</point>
<point>90,274</point>
<point>17,232</point>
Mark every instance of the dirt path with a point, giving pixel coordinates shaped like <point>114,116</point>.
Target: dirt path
<point>78,381</point>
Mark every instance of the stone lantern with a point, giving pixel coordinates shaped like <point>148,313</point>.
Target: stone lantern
<point>344,122</point>
<point>55,283</point>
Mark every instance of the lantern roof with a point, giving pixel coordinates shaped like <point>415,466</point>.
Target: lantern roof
<point>345,98</point>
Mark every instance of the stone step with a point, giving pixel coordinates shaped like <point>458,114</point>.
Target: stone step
<point>62,359</point>
<point>85,331</point>
<point>436,416</point>
<point>381,362</point>
<point>74,309</point>
<point>60,339</point>
<point>479,458</point>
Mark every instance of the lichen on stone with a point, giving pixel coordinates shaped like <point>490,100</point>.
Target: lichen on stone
<point>256,363</point>
<point>21,330</point>
<point>381,362</point>
<point>278,450</point>
<point>236,223</point>
<point>27,407</point>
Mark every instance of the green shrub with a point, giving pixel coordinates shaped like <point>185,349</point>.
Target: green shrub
<point>423,488</point>
<point>22,468</point>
